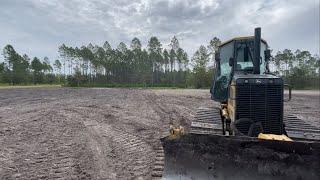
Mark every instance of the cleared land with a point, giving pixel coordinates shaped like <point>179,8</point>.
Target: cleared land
<point>92,133</point>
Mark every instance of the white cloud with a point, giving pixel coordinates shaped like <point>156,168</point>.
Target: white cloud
<point>38,27</point>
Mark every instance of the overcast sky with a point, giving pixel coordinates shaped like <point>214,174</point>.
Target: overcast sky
<point>38,27</point>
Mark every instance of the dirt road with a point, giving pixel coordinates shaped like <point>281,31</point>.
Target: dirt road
<point>64,133</point>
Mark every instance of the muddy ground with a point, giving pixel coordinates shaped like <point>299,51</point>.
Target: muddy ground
<point>65,133</point>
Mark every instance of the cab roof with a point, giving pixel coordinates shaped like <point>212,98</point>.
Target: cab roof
<point>240,38</point>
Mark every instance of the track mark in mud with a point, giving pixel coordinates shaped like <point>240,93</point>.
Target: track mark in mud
<point>139,154</point>
<point>100,148</point>
<point>43,149</point>
<point>165,113</point>
<point>168,115</point>
<point>158,165</point>
<point>132,156</point>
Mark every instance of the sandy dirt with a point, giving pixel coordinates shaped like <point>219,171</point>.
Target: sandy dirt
<point>65,133</point>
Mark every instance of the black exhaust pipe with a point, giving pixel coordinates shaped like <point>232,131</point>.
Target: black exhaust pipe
<point>256,53</point>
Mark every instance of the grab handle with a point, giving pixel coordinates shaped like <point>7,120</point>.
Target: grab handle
<point>290,89</point>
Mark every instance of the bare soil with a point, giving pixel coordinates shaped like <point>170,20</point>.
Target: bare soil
<point>92,133</point>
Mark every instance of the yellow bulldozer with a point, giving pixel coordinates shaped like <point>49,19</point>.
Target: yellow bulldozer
<point>248,136</point>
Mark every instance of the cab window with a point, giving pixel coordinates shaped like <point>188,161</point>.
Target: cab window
<point>222,78</point>
<point>244,56</point>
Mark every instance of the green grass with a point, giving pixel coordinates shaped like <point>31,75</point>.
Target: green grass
<point>117,85</point>
<point>132,85</point>
<point>7,86</point>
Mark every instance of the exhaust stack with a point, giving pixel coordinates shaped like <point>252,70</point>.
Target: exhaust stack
<point>257,44</point>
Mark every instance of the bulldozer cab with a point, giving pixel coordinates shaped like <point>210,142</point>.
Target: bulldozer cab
<point>236,56</point>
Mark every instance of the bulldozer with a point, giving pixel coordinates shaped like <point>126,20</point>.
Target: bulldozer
<point>246,135</point>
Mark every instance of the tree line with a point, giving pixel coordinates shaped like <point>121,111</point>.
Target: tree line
<point>299,68</point>
<point>152,66</point>
<point>20,69</point>
<point>133,65</point>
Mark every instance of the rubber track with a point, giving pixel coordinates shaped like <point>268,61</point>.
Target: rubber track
<point>208,121</point>
<point>297,128</point>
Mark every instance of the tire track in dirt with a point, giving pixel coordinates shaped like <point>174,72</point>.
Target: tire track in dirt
<point>170,113</point>
<point>132,157</point>
<point>118,151</point>
<point>44,150</point>
<point>101,149</point>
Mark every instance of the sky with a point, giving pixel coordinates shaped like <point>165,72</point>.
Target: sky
<point>39,27</point>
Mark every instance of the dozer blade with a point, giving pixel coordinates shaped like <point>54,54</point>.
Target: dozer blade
<point>199,156</point>
<point>204,153</point>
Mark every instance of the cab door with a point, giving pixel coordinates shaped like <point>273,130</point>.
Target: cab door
<point>222,74</point>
